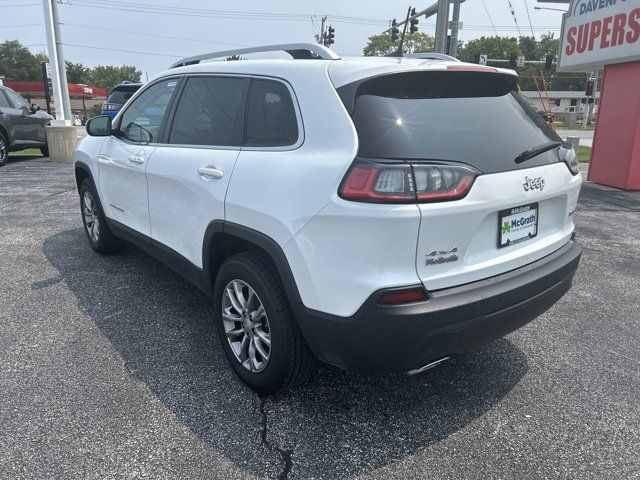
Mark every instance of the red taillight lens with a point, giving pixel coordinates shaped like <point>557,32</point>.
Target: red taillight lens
<point>378,182</point>
<point>401,182</point>
<point>406,295</point>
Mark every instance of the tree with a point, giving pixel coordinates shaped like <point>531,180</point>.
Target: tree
<point>106,76</point>
<point>77,72</point>
<point>381,45</point>
<point>18,63</point>
<point>232,58</point>
<point>494,47</point>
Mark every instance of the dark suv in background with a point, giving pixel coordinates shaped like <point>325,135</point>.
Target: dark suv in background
<point>22,125</point>
<point>119,96</point>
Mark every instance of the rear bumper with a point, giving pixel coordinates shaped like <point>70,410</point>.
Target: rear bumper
<point>401,338</point>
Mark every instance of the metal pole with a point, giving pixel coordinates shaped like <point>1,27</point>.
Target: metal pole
<point>453,47</point>
<point>442,26</point>
<point>587,116</point>
<point>427,12</point>
<point>56,61</point>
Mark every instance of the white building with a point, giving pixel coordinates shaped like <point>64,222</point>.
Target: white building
<point>562,101</point>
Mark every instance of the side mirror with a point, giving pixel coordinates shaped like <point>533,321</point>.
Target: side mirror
<point>99,126</point>
<point>35,107</point>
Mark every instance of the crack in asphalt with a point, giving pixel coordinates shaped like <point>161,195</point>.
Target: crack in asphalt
<point>37,200</point>
<point>285,455</point>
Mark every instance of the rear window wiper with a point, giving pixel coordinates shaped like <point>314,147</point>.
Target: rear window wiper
<point>535,151</point>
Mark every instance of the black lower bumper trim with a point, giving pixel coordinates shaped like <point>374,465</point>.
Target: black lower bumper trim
<point>400,338</point>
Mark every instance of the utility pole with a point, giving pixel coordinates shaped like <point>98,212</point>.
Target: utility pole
<point>455,22</point>
<point>399,52</point>
<point>427,12</point>
<point>321,36</point>
<point>56,62</point>
<point>442,26</point>
<point>587,116</point>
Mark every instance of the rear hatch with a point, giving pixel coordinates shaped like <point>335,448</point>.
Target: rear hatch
<point>513,209</point>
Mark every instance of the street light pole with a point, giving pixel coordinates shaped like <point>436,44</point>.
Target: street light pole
<point>455,22</point>
<point>56,62</point>
<point>442,26</point>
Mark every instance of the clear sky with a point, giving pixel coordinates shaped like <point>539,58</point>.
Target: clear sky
<point>91,27</point>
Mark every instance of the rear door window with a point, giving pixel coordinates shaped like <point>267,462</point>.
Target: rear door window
<point>120,97</point>
<point>271,118</point>
<point>473,118</point>
<point>210,111</point>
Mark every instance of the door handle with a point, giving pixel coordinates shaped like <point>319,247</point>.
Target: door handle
<point>137,159</point>
<point>207,173</point>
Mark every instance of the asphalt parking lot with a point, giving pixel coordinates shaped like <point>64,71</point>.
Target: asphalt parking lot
<point>110,368</point>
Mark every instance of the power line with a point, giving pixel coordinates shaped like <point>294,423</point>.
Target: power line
<point>151,35</point>
<point>515,19</point>
<point>20,26</point>
<point>191,12</point>
<point>122,51</point>
<point>526,6</point>
<point>489,17</point>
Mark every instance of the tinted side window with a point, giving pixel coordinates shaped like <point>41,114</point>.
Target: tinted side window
<point>141,120</point>
<point>4,103</point>
<point>210,112</point>
<point>271,120</point>
<point>17,100</point>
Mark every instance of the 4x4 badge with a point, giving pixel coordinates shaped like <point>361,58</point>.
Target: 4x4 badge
<point>436,257</point>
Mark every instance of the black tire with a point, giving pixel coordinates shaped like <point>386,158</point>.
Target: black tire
<point>4,150</point>
<point>290,362</point>
<point>44,151</point>
<point>105,242</point>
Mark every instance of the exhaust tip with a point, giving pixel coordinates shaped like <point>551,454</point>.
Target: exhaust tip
<point>427,366</point>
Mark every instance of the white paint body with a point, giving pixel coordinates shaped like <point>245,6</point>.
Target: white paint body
<point>339,251</point>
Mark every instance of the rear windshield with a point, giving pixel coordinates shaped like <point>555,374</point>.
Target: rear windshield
<point>465,117</point>
<point>120,97</point>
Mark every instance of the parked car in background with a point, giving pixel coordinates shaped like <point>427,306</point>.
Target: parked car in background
<point>119,96</point>
<point>22,125</point>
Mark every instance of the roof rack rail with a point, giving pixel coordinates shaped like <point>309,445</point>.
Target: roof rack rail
<point>296,50</point>
<point>432,56</point>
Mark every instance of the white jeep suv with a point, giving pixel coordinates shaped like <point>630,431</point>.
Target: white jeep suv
<point>377,214</point>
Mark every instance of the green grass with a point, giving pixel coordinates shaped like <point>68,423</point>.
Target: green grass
<point>584,154</point>
<point>560,126</point>
<point>31,152</point>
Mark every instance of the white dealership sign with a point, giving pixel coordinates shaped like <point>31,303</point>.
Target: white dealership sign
<point>599,32</point>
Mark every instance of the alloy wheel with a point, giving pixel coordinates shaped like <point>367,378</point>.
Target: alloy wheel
<point>246,325</point>
<point>90,216</point>
<point>3,151</point>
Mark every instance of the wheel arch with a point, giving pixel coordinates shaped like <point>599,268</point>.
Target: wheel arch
<point>81,171</point>
<point>5,133</point>
<point>223,239</point>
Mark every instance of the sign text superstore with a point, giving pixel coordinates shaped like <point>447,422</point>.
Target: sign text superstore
<point>599,32</point>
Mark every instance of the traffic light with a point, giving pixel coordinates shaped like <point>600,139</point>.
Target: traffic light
<point>394,31</point>
<point>588,90</point>
<point>414,22</point>
<point>329,36</point>
<point>513,60</point>
<point>548,61</point>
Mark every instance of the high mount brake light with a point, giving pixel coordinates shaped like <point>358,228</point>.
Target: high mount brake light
<point>401,182</point>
